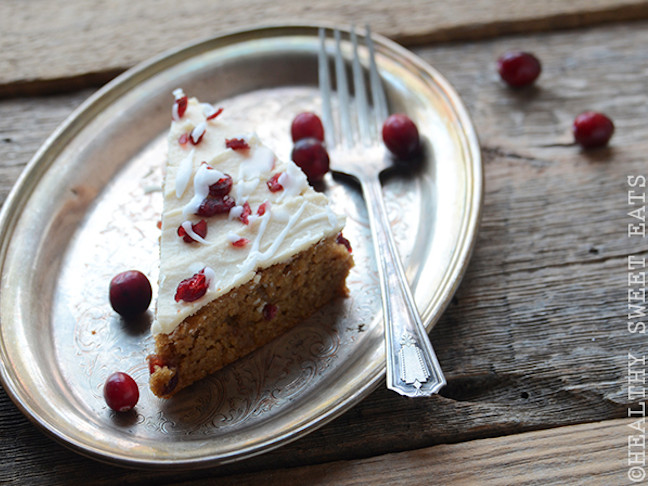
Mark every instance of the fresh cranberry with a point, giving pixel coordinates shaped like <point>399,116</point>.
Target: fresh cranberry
<point>130,293</point>
<point>307,125</point>
<point>401,136</point>
<point>518,68</point>
<point>311,157</point>
<point>592,129</point>
<point>192,288</point>
<point>121,392</point>
<point>200,228</point>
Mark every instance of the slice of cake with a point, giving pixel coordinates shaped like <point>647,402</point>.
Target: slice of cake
<point>248,249</point>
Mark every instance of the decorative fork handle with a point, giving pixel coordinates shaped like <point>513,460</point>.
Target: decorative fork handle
<point>412,367</point>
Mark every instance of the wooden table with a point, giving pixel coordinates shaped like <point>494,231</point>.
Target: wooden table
<point>536,343</point>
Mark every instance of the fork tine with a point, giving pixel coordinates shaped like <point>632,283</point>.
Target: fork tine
<point>377,92</point>
<point>343,93</point>
<point>360,92</point>
<point>324,80</point>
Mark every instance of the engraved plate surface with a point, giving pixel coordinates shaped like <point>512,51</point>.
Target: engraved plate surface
<point>92,193</point>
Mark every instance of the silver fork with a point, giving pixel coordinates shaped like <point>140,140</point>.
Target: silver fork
<point>357,151</point>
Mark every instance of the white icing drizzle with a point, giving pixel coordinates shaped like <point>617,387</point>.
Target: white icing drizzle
<point>198,131</point>
<point>210,275</point>
<point>183,176</point>
<point>255,257</point>
<point>177,94</point>
<point>293,181</point>
<point>233,237</point>
<point>245,188</point>
<point>235,212</point>
<point>208,110</point>
<point>196,237</point>
<point>205,177</point>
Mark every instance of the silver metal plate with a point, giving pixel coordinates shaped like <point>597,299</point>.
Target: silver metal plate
<point>87,207</point>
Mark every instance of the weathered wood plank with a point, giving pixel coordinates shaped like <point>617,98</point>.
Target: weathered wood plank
<point>48,46</point>
<point>537,335</point>
<point>588,454</point>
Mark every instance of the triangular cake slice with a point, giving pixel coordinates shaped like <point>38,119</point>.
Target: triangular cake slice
<point>248,249</point>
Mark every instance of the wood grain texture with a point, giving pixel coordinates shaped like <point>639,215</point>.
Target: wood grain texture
<point>587,454</point>
<point>536,337</point>
<point>48,46</point>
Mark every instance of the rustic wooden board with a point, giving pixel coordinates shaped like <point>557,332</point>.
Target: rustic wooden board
<point>588,454</point>
<point>536,337</point>
<point>45,45</point>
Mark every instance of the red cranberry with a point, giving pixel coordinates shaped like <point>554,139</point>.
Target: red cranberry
<point>307,125</point>
<point>130,293</point>
<point>273,183</point>
<point>269,311</point>
<point>311,157</point>
<point>221,187</point>
<point>401,136</point>
<point>518,68</point>
<point>341,240</point>
<point>200,228</point>
<point>121,392</point>
<point>211,206</point>
<point>192,288</point>
<point>592,129</point>
<point>245,215</point>
<point>236,144</point>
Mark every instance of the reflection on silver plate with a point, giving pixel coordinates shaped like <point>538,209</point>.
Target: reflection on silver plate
<point>87,207</point>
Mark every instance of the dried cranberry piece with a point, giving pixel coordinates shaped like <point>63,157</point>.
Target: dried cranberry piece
<point>262,209</point>
<point>273,183</point>
<point>184,138</point>
<point>222,187</point>
<point>240,243</point>
<point>244,217</point>
<point>311,157</point>
<point>197,134</point>
<point>215,114</point>
<point>236,144</point>
<point>269,311</point>
<point>154,362</point>
<point>200,228</point>
<point>192,288</point>
<point>171,385</point>
<point>341,240</point>
<point>211,206</point>
<point>121,392</point>
<point>181,106</point>
<point>307,125</point>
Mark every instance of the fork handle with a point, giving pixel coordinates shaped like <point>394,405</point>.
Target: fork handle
<point>412,366</point>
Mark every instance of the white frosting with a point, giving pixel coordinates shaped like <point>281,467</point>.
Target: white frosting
<point>295,218</point>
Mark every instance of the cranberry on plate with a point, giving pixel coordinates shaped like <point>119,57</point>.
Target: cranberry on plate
<point>307,125</point>
<point>517,68</point>
<point>592,129</point>
<point>121,392</point>
<point>130,293</point>
<point>311,156</point>
<point>401,136</point>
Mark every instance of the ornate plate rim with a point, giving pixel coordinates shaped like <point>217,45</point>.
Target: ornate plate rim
<point>97,102</point>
